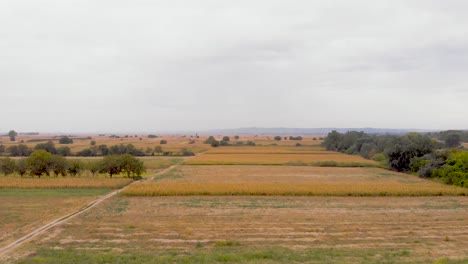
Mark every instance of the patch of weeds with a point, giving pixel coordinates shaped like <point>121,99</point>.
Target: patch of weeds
<point>172,174</point>
<point>117,206</point>
<point>226,244</point>
<point>231,254</point>
<point>199,245</point>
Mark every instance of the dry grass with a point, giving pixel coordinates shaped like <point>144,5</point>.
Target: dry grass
<point>299,181</point>
<point>383,229</point>
<point>22,211</point>
<point>276,159</point>
<point>52,183</point>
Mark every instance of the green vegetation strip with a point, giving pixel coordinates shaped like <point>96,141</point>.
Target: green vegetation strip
<point>233,253</point>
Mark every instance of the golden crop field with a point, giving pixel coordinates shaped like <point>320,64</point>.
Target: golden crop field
<point>270,149</point>
<point>260,230</point>
<point>278,159</point>
<point>52,183</point>
<point>287,180</point>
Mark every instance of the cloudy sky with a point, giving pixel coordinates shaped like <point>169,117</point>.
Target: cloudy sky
<point>121,66</point>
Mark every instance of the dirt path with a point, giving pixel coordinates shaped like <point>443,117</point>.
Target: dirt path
<point>63,219</point>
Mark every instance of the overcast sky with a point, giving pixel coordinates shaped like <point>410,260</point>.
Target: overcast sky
<point>144,66</point>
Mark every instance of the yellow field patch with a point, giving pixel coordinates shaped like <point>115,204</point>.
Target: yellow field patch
<point>286,180</point>
<point>276,159</point>
<point>266,149</point>
<point>52,182</point>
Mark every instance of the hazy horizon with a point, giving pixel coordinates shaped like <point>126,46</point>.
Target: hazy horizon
<point>226,130</point>
<point>118,66</point>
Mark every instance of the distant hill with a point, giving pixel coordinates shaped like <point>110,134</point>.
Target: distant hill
<point>308,131</point>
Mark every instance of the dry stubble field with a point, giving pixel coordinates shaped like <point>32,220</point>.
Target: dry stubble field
<point>22,211</point>
<point>260,230</point>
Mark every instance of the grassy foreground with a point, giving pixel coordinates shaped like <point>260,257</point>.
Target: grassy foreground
<point>231,252</point>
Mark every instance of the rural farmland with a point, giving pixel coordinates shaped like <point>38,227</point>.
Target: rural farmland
<point>212,132</point>
<point>267,203</point>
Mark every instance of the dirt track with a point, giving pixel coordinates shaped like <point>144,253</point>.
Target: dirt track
<point>64,218</point>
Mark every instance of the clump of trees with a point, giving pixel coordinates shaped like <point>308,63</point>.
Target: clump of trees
<point>295,138</point>
<point>412,153</point>
<point>104,150</point>
<point>226,142</point>
<point>20,150</point>
<point>12,134</point>
<point>452,138</point>
<point>42,163</point>
<point>65,140</point>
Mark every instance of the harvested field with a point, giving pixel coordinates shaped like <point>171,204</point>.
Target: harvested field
<point>156,164</point>
<point>22,211</point>
<point>281,159</point>
<point>260,230</point>
<point>268,150</point>
<point>288,180</point>
<point>71,182</point>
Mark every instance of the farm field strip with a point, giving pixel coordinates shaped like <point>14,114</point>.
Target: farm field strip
<point>70,182</point>
<point>221,189</point>
<point>287,180</point>
<point>267,150</point>
<point>275,159</point>
<point>424,229</point>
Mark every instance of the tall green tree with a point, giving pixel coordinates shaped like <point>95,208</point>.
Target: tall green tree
<point>58,165</point>
<point>12,134</point>
<point>75,167</point>
<point>49,147</point>
<point>65,140</point>
<point>452,140</point>
<point>131,165</point>
<point>7,166</point>
<point>39,163</point>
<point>412,145</point>
<point>111,164</point>
<point>22,167</point>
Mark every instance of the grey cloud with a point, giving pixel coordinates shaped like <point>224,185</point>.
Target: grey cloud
<point>162,65</point>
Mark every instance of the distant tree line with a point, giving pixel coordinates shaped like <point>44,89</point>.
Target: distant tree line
<point>226,142</point>
<point>452,138</point>
<point>22,150</point>
<point>413,153</point>
<point>41,162</point>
